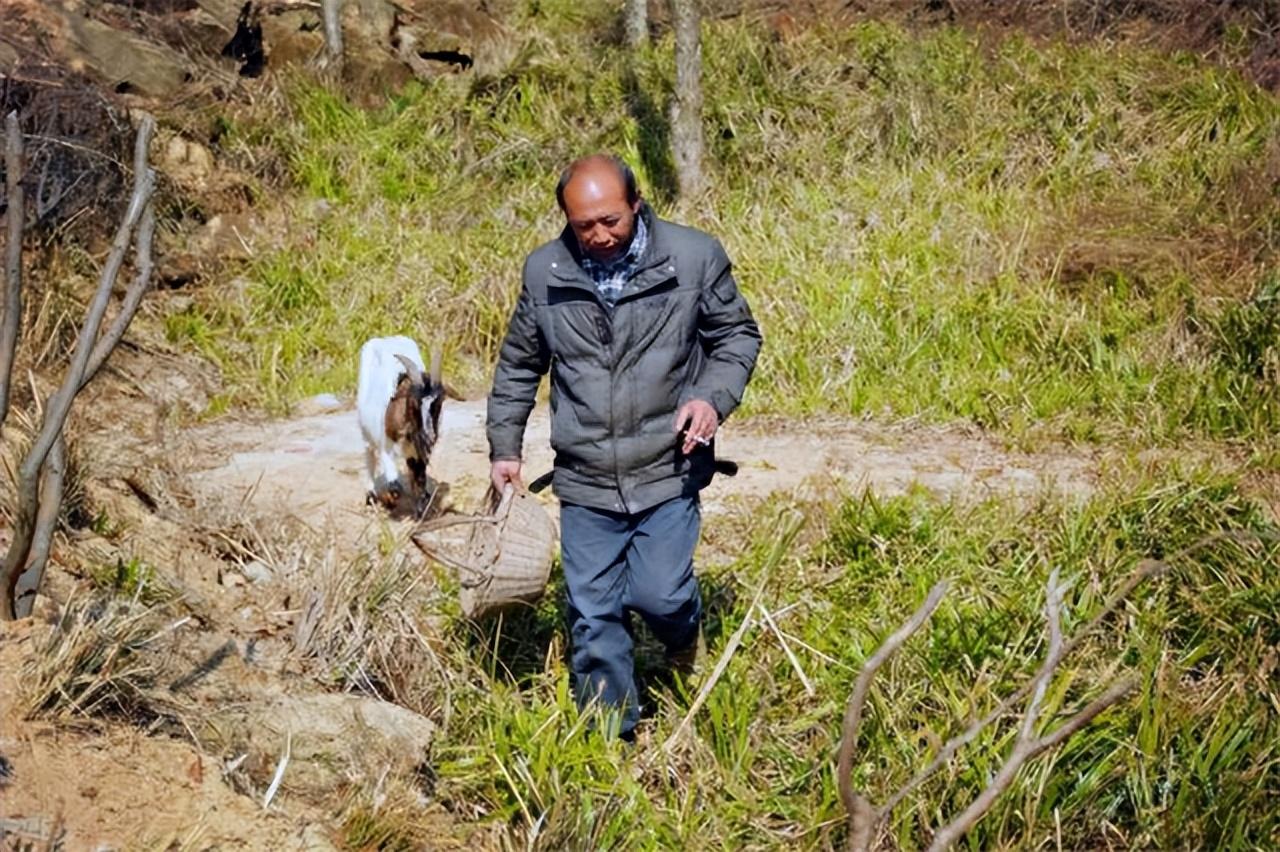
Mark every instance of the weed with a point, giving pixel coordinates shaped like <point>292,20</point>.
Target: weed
<point>94,661</point>
<point>390,817</point>
<point>132,578</point>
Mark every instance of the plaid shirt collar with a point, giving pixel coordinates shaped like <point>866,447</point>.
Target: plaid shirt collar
<point>611,277</point>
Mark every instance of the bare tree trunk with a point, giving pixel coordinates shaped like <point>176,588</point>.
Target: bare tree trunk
<point>52,481</point>
<point>36,505</point>
<point>12,315</point>
<point>332,32</point>
<point>636,16</point>
<point>686,120</point>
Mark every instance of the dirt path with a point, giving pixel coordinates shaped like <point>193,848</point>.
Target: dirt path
<point>313,466</point>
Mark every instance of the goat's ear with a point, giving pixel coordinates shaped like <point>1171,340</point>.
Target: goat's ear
<point>415,373</point>
<point>436,358</point>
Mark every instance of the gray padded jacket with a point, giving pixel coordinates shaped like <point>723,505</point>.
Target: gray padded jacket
<point>680,330</point>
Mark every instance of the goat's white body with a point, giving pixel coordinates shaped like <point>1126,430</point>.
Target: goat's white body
<point>379,372</point>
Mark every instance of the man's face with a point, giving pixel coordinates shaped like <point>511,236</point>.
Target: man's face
<point>595,203</point>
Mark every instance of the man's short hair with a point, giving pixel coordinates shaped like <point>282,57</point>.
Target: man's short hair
<point>624,172</point>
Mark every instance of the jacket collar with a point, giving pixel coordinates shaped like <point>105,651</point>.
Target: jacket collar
<point>652,270</point>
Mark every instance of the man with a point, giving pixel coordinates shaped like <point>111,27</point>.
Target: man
<point>649,345</point>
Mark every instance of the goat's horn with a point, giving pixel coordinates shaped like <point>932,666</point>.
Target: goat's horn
<point>414,371</point>
<point>436,357</point>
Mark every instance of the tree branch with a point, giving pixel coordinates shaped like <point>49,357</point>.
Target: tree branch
<point>1114,693</point>
<point>132,298</point>
<point>59,406</point>
<point>1024,750</point>
<point>862,819</point>
<point>53,481</point>
<point>1024,746</point>
<point>12,315</point>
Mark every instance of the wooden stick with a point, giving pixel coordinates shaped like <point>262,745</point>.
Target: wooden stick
<point>795,663</point>
<point>723,663</point>
<point>781,544</point>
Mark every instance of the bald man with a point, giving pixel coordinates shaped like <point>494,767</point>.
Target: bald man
<point>649,345</point>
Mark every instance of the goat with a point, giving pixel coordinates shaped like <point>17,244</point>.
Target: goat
<point>399,411</point>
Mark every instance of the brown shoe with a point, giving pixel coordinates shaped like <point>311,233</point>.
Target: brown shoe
<point>685,662</point>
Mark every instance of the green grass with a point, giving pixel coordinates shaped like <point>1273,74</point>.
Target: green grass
<point>1038,238</point>
<point>1047,240</point>
<point>1191,760</point>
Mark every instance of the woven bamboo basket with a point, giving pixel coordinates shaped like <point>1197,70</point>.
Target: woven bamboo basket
<point>506,558</point>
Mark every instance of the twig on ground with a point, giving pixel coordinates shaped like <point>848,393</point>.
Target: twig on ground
<point>280,768</point>
<point>790,527</point>
<point>723,663</point>
<point>786,649</point>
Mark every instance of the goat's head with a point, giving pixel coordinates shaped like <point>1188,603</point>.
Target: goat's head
<point>413,413</point>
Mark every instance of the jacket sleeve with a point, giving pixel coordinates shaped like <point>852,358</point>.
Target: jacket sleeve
<point>522,361</point>
<point>729,336</point>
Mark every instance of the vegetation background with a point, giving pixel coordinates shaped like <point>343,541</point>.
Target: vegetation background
<point>1054,239</point>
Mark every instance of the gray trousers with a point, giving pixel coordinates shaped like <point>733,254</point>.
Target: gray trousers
<point>616,564</point>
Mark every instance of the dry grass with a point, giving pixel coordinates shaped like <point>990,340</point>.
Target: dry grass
<point>366,624</point>
<point>392,815</point>
<point>99,659</point>
<point>18,433</point>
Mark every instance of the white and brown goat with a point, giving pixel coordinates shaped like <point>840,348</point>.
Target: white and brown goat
<point>399,408</point>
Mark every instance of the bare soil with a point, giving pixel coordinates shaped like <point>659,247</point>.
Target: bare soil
<point>313,466</point>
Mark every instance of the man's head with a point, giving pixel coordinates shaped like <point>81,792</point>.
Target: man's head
<point>600,201</point>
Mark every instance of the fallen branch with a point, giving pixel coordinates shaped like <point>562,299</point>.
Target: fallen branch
<point>723,663</point>
<point>862,817</point>
<point>865,819</point>
<point>1026,748</point>
<point>786,649</point>
<point>1146,569</point>
<point>280,768</point>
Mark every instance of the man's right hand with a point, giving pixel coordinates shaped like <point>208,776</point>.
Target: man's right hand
<point>504,471</point>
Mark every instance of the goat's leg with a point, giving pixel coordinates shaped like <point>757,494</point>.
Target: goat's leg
<point>388,481</point>
<point>418,470</point>
<point>371,468</point>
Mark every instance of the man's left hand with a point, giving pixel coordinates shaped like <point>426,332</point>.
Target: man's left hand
<point>699,421</point>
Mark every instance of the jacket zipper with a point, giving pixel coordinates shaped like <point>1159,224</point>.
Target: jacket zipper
<point>613,438</point>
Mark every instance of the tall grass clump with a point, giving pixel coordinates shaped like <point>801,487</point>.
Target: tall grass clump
<point>96,660</point>
<point>1030,236</point>
<point>1190,760</point>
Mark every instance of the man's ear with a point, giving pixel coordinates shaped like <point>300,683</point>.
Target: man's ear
<point>635,205</point>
